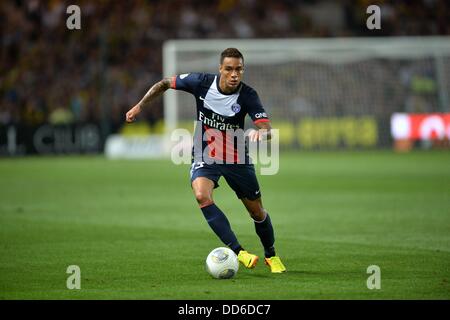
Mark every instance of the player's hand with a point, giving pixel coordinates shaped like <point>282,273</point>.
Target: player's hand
<point>253,135</point>
<point>132,113</point>
<point>257,135</point>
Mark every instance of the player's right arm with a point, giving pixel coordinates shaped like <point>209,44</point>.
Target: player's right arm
<point>156,90</point>
<point>187,82</point>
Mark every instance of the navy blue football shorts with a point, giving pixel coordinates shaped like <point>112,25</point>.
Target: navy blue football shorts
<point>240,177</point>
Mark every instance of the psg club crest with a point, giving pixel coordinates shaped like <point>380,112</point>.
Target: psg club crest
<point>236,108</point>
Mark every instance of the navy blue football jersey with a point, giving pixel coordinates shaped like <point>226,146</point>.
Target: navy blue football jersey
<point>220,112</point>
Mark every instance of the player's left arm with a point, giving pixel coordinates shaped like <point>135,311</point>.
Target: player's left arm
<point>263,132</point>
<point>259,116</point>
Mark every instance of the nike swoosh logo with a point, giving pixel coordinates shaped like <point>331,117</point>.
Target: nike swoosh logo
<point>201,98</point>
<point>256,192</point>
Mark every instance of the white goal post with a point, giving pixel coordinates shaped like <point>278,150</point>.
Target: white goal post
<point>333,92</point>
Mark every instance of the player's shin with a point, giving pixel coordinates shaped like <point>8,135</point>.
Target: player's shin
<point>221,226</point>
<point>264,230</point>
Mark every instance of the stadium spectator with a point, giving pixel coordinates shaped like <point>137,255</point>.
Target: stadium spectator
<point>90,69</point>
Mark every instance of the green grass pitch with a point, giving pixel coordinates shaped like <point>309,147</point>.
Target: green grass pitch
<point>135,231</point>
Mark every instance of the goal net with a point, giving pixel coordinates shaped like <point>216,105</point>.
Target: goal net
<point>324,93</point>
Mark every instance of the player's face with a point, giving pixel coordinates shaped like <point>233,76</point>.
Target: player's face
<point>231,71</point>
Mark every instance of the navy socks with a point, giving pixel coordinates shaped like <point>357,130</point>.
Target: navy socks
<point>221,226</point>
<point>265,232</point>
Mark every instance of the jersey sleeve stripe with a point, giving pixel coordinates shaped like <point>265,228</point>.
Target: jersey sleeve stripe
<point>261,120</point>
<point>173,83</point>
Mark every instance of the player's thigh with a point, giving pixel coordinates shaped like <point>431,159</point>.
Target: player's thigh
<point>203,188</point>
<point>242,179</point>
<point>204,178</point>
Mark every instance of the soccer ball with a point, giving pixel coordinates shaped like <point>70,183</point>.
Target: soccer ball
<point>222,263</point>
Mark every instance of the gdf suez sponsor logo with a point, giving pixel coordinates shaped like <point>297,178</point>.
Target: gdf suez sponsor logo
<point>246,309</point>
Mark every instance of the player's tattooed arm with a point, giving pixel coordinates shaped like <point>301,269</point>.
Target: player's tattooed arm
<point>263,131</point>
<point>156,90</point>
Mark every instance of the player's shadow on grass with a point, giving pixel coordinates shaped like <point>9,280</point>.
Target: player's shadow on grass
<point>289,273</point>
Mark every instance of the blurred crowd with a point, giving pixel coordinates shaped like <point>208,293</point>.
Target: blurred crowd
<point>51,74</point>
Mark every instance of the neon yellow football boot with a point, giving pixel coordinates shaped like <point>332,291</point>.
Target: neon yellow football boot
<point>275,264</point>
<point>247,259</point>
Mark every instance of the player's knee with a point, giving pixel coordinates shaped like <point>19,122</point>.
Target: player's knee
<point>203,198</point>
<point>257,214</point>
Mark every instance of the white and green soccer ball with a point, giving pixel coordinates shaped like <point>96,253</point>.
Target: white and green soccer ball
<point>222,263</point>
